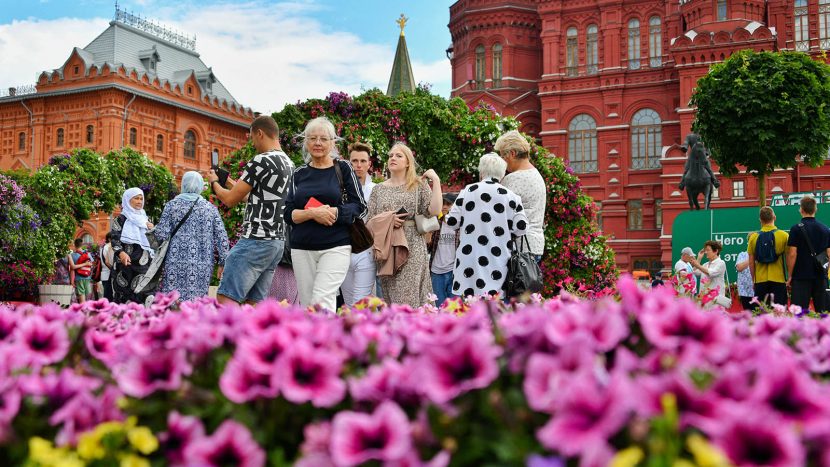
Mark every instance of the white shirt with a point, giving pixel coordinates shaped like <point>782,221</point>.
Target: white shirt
<point>717,275</point>
<point>367,188</point>
<point>106,253</point>
<point>686,272</point>
<point>530,186</point>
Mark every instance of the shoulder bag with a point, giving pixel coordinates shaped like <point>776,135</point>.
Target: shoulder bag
<point>523,272</point>
<point>149,282</point>
<point>820,259</point>
<point>725,300</point>
<point>362,239</point>
<point>424,224</point>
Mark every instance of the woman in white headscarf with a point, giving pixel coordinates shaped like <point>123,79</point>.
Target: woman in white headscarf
<point>200,240</point>
<point>130,246</point>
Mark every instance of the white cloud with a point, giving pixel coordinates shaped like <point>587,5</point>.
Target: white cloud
<point>266,56</point>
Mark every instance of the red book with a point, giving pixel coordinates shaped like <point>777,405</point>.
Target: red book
<point>312,203</point>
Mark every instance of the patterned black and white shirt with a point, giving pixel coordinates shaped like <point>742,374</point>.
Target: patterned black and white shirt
<point>269,175</point>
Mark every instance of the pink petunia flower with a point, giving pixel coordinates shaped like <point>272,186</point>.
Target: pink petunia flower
<point>230,444</point>
<point>357,437</point>
<point>163,370</point>
<point>466,364</point>
<point>304,373</point>
<point>41,342</point>
<point>241,382</point>
<point>181,432</point>
<point>752,437</point>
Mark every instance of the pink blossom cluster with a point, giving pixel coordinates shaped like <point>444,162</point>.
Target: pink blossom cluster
<point>402,387</point>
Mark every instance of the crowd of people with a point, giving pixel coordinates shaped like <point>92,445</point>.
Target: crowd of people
<point>778,267</point>
<point>296,234</point>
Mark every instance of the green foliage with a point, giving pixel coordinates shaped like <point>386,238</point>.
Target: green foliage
<point>134,169</point>
<point>450,137</point>
<point>761,110</point>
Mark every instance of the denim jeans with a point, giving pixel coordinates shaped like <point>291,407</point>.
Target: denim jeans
<point>249,269</point>
<point>442,286</point>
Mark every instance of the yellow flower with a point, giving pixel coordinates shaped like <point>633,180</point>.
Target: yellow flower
<point>131,460</point>
<point>89,445</point>
<point>142,439</point>
<point>704,453</point>
<point>683,463</point>
<point>628,457</point>
<point>43,453</point>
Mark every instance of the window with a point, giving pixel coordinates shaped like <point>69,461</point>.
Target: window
<point>21,141</point>
<point>90,134</point>
<point>802,26</point>
<point>635,215</point>
<point>572,53</point>
<point>592,49</point>
<point>738,189</point>
<point>190,144</point>
<point>133,136</point>
<point>87,239</point>
<point>582,144</point>
<point>480,62</point>
<point>634,44</point>
<point>658,213</point>
<point>646,140</point>
<point>824,24</point>
<point>59,139</point>
<point>722,10</point>
<point>655,43</point>
<point>160,143</point>
<point>497,66</point>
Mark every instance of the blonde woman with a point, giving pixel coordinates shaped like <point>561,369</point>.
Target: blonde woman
<point>412,284</point>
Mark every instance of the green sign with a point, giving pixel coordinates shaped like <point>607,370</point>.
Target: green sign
<point>792,199</point>
<point>729,226</point>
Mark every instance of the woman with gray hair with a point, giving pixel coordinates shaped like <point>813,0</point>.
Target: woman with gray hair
<point>320,216</point>
<point>488,215</point>
<point>189,263</point>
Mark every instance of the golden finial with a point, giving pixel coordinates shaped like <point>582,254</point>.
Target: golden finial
<point>402,22</point>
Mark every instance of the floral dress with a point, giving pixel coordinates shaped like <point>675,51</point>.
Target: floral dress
<point>412,285</point>
<point>200,243</point>
<point>127,277</point>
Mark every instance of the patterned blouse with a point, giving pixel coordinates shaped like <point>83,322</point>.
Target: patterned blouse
<point>745,286</point>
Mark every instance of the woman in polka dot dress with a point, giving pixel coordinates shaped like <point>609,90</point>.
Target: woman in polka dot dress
<point>488,214</point>
<point>412,284</point>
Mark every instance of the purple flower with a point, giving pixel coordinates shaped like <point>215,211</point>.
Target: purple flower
<point>41,342</point>
<point>230,444</point>
<point>790,392</point>
<point>389,380</point>
<point>547,375</point>
<point>163,370</point>
<point>57,388</point>
<point>241,382</point>
<point>357,438</point>
<point>753,437</point>
<point>260,351</point>
<point>304,373</point>
<point>466,364</point>
<point>101,345</point>
<point>181,431</point>
<point>8,322</point>
<point>535,460</point>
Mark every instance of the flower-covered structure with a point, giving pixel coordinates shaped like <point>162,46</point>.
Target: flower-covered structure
<point>642,377</point>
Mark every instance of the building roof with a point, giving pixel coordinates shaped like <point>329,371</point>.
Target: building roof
<point>401,79</point>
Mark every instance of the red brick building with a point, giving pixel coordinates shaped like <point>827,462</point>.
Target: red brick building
<point>135,85</point>
<point>606,84</point>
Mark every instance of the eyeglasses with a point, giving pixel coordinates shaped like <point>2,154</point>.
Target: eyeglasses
<point>318,139</point>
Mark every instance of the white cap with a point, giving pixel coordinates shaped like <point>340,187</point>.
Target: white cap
<point>687,251</point>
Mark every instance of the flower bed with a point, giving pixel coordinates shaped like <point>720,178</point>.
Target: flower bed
<point>648,377</point>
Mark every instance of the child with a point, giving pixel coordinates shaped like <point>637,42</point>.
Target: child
<point>442,254</point>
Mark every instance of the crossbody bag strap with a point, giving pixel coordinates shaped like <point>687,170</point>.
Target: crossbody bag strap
<point>807,237</point>
<point>344,197</point>
<point>186,216</point>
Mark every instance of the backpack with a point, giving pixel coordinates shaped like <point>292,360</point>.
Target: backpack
<point>765,247</point>
<point>96,268</point>
<point>86,270</point>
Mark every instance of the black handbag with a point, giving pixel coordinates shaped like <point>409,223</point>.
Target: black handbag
<point>149,282</point>
<point>523,272</point>
<point>286,248</point>
<point>820,258</point>
<point>362,239</point>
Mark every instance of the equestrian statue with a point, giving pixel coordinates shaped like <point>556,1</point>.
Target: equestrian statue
<point>698,177</point>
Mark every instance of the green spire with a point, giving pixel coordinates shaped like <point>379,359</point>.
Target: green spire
<point>402,79</point>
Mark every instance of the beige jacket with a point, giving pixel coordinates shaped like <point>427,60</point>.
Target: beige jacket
<point>390,248</point>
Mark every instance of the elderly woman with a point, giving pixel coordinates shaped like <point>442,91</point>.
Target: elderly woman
<point>189,264</point>
<point>489,215</point>
<point>320,217</point>
<point>130,246</point>
<point>412,284</point>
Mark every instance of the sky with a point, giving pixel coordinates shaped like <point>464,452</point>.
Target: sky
<point>268,53</point>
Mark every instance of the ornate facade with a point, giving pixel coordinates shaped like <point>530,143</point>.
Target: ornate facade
<point>135,85</point>
<point>606,84</point>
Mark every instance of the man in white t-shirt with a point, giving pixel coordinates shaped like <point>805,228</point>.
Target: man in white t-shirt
<point>526,181</point>
<point>360,277</point>
<point>684,270</point>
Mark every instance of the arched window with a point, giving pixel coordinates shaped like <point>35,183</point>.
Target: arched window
<point>658,213</point>
<point>802,26</point>
<point>59,138</point>
<point>190,144</point>
<point>646,140</point>
<point>133,136</point>
<point>497,67</point>
<point>592,49</point>
<point>582,144</point>
<point>87,239</point>
<point>90,134</point>
<point>21,141</point>
<point>160,143</point>
<point>824,24</point>
<point>572,53</point>
<point>723,11</point>
<point>635,214</point>
<point>633,44</point>
<point>480,63</point>
<point>655,43</point>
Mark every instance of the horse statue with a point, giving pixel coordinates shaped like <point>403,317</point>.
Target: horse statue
<point>698,177</point>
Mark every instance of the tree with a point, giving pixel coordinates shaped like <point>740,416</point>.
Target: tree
<point>762,110</point>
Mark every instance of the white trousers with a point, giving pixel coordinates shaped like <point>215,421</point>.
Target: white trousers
<point>319,274</point>
<point>360,278</point>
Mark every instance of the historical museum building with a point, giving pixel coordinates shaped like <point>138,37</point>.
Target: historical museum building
<point>605,84</point>
<point>137,85</point>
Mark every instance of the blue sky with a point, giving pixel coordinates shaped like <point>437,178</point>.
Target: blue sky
<point>305,47</point>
